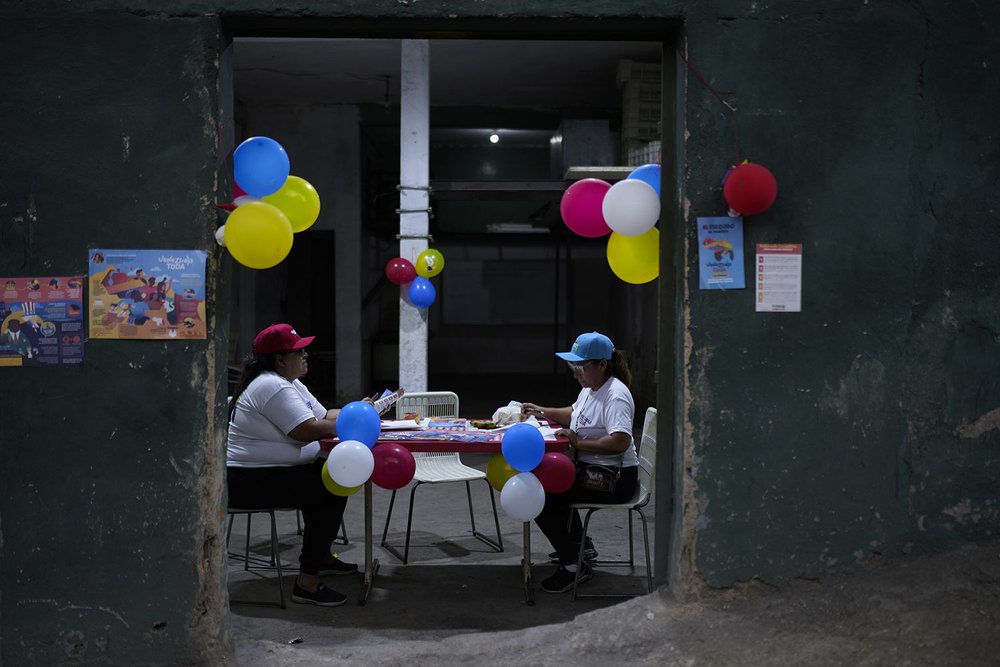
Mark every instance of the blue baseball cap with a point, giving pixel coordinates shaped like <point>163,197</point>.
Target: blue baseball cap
<point>589,346</point>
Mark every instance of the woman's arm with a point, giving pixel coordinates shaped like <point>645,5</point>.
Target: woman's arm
<point>314,429</point>
<point>559,415</point>
<point>613,443</point>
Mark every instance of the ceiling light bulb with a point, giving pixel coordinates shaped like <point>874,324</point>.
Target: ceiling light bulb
<point>494,138</point>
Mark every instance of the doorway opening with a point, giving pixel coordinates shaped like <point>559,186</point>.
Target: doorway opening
<point>518,285</point>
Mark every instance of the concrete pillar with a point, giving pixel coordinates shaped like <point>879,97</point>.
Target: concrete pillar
<point>414,128</point>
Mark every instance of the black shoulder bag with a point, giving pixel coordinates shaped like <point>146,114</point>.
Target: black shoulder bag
<point>597,478</point>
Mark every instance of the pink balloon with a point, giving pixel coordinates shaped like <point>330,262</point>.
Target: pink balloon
<point>394,466</point>
<point>556,472</point>
<point>581,207</point>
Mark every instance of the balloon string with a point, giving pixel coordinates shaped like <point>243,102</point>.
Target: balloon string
<point>719,94</point>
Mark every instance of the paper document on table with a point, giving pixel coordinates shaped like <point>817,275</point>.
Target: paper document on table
<point>400,425</point>
<point>448,424</point>
<point>548,433</point>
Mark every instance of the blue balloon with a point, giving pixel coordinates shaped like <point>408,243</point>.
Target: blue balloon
<point>421,292</point>
<point>260,166</point>
<point>523,447</point>
<point>650,173</point>
<point>359,421</point>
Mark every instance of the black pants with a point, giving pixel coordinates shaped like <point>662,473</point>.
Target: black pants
<point>299,487</point>
<point>563,526</point>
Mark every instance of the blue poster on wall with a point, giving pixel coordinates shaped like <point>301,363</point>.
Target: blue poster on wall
<point>41,321</point>
<point>720,253</point>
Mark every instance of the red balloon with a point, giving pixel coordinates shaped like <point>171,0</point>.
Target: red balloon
<point>750,189</point>
<point>581,210</point>
<point>238,191</point>
<point>400,271</point>
<point>556,472</point>
<point>394,466</point>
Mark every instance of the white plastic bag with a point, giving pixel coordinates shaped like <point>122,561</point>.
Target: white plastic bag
<point>508,414</point>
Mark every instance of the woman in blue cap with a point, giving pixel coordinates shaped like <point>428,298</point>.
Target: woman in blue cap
<point>599,428</point>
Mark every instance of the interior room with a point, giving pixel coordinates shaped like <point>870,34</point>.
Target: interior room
<point>513,123</point>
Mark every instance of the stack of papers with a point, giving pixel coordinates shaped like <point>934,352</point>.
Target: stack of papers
<point>400,425</point>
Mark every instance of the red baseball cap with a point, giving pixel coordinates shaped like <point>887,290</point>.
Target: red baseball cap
<point>278,338</point>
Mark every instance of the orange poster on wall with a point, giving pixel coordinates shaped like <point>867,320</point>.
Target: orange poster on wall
<point>147,294</point>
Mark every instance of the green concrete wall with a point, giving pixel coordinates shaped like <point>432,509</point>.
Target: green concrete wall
<point>111,482</point>
<point>866,424</point>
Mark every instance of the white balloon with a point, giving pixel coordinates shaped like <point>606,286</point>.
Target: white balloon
<point>522,497</point>
<point>220,236</point>
<point>631,207</point>
<point>350,463</point>
<point>246,199</point>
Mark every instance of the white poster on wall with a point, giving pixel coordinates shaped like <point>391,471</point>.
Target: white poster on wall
<point>779,277</point>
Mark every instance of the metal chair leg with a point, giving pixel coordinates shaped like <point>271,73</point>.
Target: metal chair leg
<point>631,547</point>
<point>645,540</point>
<point>275,557</point>
<point>404,557</point>
<point>498,545</point>
<point>409,523</point>
<point>630,563</point>
<point>472,515</point>
<point>246,550</point>
<point>579,556</point>
<point>496,517</point>
<point>385,530</point>
<point>273,561</point>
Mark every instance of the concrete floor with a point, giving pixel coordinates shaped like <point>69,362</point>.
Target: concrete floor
<point>458,602</point>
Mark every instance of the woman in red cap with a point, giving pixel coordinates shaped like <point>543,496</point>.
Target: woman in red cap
<point>272,454</point>
<point>599,428</point>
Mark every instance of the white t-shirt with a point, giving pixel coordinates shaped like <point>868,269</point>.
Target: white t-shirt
<point>266,411</point>
<point>608,410</point>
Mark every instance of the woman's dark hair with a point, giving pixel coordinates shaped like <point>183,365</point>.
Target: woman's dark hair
<point>253,365</point>
<point>618,367</point>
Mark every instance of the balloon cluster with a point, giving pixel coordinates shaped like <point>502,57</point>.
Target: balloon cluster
<point>269,205</point>
<point>524,472</point>
<point>356,458</point>
<point>749,189</point>
<point>628,210</point>
<point>419,289</point>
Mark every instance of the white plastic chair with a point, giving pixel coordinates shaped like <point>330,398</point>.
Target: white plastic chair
<point>438,467</point>
<point>643,494</point>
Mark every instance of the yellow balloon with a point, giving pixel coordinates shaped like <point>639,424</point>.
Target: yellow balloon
<point>498,471</point>
<point>258,235</point>
<point>635,259</point>
<point>298,200</point>
<point>429,263</point>
<point>337,489</point>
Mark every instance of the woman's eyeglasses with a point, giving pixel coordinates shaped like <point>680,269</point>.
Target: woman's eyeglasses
<point>300,353</point>
<point>577,367</point>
